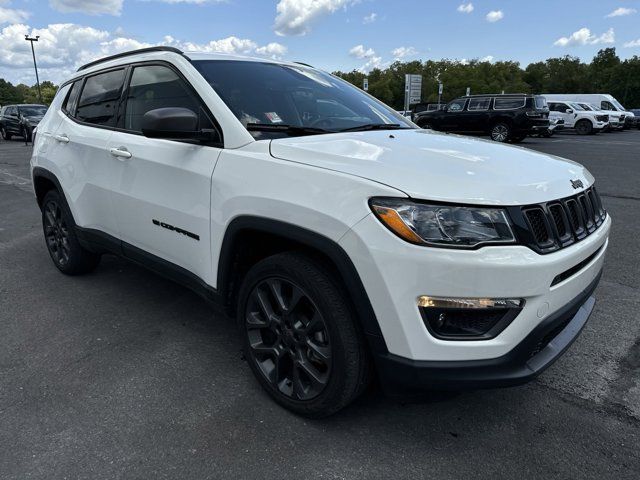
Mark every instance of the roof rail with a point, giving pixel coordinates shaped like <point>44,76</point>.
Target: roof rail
<point>304,64</point>
<point>131,52</point>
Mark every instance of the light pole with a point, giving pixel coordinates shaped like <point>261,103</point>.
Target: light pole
<point>35,65</point>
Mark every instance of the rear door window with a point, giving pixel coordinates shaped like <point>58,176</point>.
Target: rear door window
<point>510,103</point>
<point>99,98</point>
<point>479,104</point>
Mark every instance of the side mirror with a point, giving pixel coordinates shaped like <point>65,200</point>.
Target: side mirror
<point>568,110</point>
<point>173,123</point>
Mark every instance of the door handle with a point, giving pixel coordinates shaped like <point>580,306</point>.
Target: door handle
<point>120,152</point>
<point>61,138</point>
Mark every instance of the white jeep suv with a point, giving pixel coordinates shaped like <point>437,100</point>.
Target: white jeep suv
<point>347,242</point>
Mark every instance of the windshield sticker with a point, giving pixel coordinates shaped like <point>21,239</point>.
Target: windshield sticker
<point>273,117</point>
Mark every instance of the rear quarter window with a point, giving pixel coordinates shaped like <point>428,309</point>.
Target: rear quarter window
<point>70,103</point>
<point>509,103</point>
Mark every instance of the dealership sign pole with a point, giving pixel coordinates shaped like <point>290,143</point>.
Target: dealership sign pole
<point>439,95</point>
<point>412,90</point>
<point>365,84</point>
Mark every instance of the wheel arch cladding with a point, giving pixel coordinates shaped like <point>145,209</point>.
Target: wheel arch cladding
<point>248,239</point>
<point>43,181</point>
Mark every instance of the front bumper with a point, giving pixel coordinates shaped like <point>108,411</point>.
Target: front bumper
<point>543,346</point>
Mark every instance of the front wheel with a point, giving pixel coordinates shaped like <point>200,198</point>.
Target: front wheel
<point>500,132</point>
<point>5,135</point>
<point>300,335</point>
<point>584,127</point>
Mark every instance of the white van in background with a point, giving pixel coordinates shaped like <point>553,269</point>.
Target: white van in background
<point>605,102</point>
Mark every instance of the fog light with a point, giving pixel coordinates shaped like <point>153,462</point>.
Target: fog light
<point>468,318</point>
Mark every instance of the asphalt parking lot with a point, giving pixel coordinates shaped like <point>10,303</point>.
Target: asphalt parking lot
<point>122,374</point>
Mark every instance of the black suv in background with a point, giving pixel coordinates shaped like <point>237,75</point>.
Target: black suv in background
<point>20,120</point>
<point>509,117</point>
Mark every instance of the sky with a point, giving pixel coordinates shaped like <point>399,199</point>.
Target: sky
<point>329,34</point>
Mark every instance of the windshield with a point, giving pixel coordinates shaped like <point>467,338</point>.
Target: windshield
<point>577,107</point>
<point>617,104</point>
<point>586,106</point>
<point>270,94</point>
<point>33,111</point>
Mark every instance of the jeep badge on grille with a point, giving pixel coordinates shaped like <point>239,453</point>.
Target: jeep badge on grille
<point>576,184</point>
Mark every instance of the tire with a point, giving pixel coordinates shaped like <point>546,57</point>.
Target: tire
<point>584,127</point>
<point>61,240</point>
<point>6,135</point>
<point>548,134</point>
<point>26,134</point>
<point>313,368</point>
<point>500,132</point>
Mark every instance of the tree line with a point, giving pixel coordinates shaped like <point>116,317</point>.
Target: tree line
<point>606,73</point>
<point>22,93</point>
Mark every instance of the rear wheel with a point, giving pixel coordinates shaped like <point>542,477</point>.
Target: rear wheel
<point>500,132</point>
<point>584,127</point>
<point>300,336</point>
<point>65,250</point>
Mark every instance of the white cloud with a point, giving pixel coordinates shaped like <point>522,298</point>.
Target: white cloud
<point>273,50</point>
<point>633,43</point>
<point>294,17</point>
<point>370,18</point>
<point>11,15</point>
<point>488,58</point>
<point>359,51</point>
<point>90,7</point>
<point>465,7</point>
<point>494,16</point>
<point>63,47</point>
<point>585,37</point>
<point>402,52</point>
<point>372,63</point>
<point>621,12</point>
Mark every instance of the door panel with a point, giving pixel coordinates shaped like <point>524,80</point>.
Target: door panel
<point>162,188</point>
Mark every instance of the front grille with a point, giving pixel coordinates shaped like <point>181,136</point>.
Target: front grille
<point>602,118</point>
<point>554,225</point>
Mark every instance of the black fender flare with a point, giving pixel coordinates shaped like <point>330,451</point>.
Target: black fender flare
<point>315,241</point>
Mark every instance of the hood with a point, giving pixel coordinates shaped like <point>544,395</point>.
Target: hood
<point>34,119</point>
<point>440,167</point>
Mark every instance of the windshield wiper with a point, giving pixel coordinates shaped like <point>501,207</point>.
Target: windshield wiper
<point>373,126</point>
<point>281,127</point>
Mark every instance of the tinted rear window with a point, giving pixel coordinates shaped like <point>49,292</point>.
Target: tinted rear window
<point>476,104</point>
<point>509,103</point>
<point>99,98</point>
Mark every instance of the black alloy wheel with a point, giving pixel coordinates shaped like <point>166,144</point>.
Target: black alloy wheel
<point>288,338</point>
<point>301,336</point>
<point>56,233</point>
<point>500,132</point>
<point>68,255</point>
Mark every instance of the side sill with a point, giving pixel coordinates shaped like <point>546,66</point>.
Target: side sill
<point>101,242</point>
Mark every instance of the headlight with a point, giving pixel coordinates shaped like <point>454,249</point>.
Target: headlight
<point>443,225</point>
